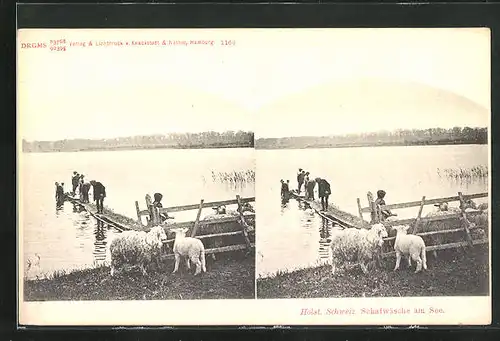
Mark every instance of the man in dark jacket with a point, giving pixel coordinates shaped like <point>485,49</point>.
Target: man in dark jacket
<point>59,195</point>
<point>310,189</point>
<point>300,179</point>
<point>75,181</point>
<point>323,192</point>
<point>84,192</point>
<point>99,195</point>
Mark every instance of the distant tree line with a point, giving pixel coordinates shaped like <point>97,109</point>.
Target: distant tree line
<point>400,137</point>
<point>210,139</point>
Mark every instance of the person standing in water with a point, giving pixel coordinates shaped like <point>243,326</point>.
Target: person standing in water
<point>282,188</point>
<point>84,191</point>
<point>99,193</point>
<point>59,195</point>
<point>310,189</point>
<point>75,181</point>
<point>324,192</point>
<point>285,191</point>
<point>300,179</point>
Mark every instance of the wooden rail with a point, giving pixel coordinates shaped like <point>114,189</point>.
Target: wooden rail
<point>427,202</point>
<point>461,215</point>
<point>141,213</point>
<point>443,246</point>
<point>153,217</point>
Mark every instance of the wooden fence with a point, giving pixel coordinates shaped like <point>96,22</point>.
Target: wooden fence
<point>375,212</point>
<point>153,218</point>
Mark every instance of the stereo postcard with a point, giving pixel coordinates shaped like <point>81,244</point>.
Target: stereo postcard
<point>334,176</point>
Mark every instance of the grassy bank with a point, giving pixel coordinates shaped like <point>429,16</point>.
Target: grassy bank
<point>231,276</point>
<point>454,273</point>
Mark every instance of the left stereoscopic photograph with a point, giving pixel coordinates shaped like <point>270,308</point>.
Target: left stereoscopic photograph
<point>136,172</point>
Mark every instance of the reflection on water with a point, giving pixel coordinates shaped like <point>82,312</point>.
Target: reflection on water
<point>291,237</point>
<point>295,238</point>
<point>74,240</point>
<point>67,238</point>
<point>100,242</point>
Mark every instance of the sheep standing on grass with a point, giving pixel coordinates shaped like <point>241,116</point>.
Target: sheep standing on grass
<point>410,246</point>
<point>133,248</point>
<point>359,246</point>
<point>191,249</point>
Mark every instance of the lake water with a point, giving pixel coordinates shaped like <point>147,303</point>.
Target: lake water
<point>68,239</point>
<point>290,238</point>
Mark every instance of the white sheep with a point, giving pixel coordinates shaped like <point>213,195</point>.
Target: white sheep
<point>410,246</point>
<point>191,249</point>
<point>359,246</point>
<point>134,248</point>
<point>441,225</point>
<point>222,212</point>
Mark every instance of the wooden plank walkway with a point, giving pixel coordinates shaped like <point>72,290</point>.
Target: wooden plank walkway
<point>333,214</point>
<point>99,217</point>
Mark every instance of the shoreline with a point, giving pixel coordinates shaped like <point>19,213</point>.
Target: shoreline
<point>104,149</point>
<point>361,145</point>
<point>229,277</point>
<point>454,273</point>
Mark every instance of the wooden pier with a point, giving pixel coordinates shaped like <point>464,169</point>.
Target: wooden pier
<point>347,220</point>
<point>238,227</point>
<point>333,214</point>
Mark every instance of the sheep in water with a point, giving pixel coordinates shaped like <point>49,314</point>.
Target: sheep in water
<point>441,225</point>
<point>222,212</point>
<point>359,246</point>
<point>133,248</point>
<point>410,246</point>
<point>191,249</point>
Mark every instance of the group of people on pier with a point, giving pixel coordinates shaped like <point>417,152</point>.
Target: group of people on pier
<point>304,180</point>
<point>78,183</point>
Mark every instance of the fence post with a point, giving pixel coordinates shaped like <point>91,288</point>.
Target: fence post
<point>149,205</point>
<point>417,221</point>
<point>243,223</point>
<point>360,210</point>
<point>465,221</point>
<point>373,209</point>
<point>138,211</point>
<point>197,221</point>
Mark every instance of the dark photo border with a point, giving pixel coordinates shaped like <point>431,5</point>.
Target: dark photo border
<point>189,15</point>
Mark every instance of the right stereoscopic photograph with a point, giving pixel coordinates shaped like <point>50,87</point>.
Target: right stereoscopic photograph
<point>372,165</point>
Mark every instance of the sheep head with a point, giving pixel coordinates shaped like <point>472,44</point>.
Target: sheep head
<point>442,206</point>
<point>403,229</point>
<point>379,230</point>
<point>220,209</point>
<point>468,203</point>
<point>247,207</point>
<point>158,234</point>
<point>179,231</point>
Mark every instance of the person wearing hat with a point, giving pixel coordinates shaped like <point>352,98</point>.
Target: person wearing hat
<point>157,204</point>
<point>99,193</point>
<point>75,181</point>
<point>324,192</point>
<point>300,179</point>
<point>384,214</point>
<point>283,186</point>
<point>59,195</point>
<point>310,189</point>
<point>84,191</point>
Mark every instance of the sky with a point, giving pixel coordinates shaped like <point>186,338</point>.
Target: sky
<point>279,82</point>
